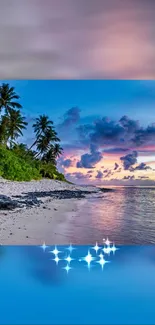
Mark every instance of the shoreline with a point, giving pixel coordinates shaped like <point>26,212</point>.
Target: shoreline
<point>38,211</point>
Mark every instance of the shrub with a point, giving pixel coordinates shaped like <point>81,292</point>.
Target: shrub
<point>16,168</point>
<point>47,170</point>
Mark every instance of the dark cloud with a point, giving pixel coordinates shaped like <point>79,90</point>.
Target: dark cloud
<point>115,150</point>
<point>116,166</point>
<point>99,174</point>
<point>129,160</point>
<point>118,135</point>
<point>89,160</point>
<point>71,117</point>
<point>141,166</point>
<point>129,177</point>
<point>106,171</point>
<point>66,163</point>
<point>108,174</point>
<point>106,132</point>
<point>144,136</point>
<point>129,125</point>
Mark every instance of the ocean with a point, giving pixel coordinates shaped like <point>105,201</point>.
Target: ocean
<point>126,215</point>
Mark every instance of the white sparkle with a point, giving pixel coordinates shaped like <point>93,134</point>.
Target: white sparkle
<point>56,259</point>
<point>114,248</point>
<point>67,268</point>
<point>70,248</point>
<point>96,248</point>
<point>88,258</point>
<point>101,255</point>
<point>102,262</point>
<point>44,246</point>
<point>55,251</point>
<point>107,250</point>
<point>107,242</point>
<point>68,259</point>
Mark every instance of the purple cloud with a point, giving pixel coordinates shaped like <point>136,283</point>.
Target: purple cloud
<point>116,166</point>
<point>99,174</point>
<point>89,160</point>
<point>129,160</point>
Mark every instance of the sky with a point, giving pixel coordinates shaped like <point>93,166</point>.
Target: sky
<point>106,127</point>
<point>77,39</point>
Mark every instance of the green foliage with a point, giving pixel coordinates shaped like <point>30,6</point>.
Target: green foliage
<point>48,170</point>
<point>15,168</point>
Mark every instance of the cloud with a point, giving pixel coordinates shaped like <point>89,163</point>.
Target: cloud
<point>143,177</point>
<point>115,150</point>
<point>118,136</point>
<point>71,117</point>
<point>89,160</point>
<point>99,174</point>
<point>144,136</point>
<point>116,166</point>
<point>129,160</point>
<point>141,166</point>
<point>60,39</point>
<point>128,177</point>
<point>67,163</point>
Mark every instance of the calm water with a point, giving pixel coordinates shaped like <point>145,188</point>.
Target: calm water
<point>126,215</point>
<point>34,290</point>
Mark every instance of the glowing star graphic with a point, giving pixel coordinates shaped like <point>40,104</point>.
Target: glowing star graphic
<point>107,250</point>
<point>88,258</point>
<point>56,259</point>
<point>44,246</point>
<point>101,255</point>
<point>107,242</point>
<point>68,259</point>
<point>96,248</point>
<point>55,251</point>
<point>70,248</point>
<point>102,262</point>
<point>67,268</point>
<point>114,249</point>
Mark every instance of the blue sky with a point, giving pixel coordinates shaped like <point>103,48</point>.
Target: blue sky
<point>94,97</point>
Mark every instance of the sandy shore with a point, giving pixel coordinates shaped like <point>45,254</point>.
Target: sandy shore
<point>38,211</point>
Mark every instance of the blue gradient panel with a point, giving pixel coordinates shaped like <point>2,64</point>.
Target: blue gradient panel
<point>36,290</point>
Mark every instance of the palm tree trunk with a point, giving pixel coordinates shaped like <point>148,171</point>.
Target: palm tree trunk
<point>32,145</point>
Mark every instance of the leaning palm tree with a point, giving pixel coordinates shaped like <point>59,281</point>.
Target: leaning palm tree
<point>8,98</point>
<point>16,123</point>
<point>41,127</point>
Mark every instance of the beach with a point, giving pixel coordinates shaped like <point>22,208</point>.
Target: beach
<point>39,211</point>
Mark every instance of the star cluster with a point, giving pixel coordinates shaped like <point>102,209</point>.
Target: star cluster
<point>95,255</point>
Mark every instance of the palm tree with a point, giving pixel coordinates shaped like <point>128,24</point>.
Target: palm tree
<point>16,123</point>
<point>8,98</point>
<point>41,126</point>
<point>4,129</point>
<point>57,150</point>
<point>49,156</point>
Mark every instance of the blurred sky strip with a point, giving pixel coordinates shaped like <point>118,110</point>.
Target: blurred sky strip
<point>70,39</point>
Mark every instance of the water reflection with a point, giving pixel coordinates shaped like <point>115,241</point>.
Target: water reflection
<point>126,215</point>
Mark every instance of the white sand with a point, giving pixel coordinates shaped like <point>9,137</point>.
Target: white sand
<point>34,225</point>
